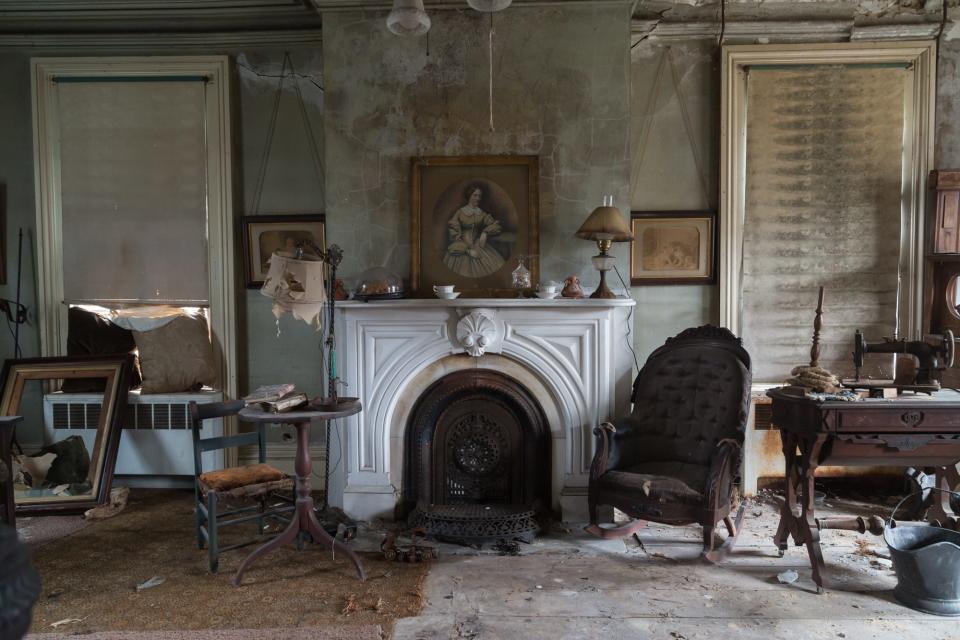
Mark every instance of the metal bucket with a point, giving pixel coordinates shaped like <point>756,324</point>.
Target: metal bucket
<point>926,560</point>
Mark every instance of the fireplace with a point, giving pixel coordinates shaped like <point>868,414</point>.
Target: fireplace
<point>544,372</point>
<point>477,436</point>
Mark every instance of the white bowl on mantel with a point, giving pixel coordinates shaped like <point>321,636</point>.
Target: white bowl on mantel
<point>546,295</point>
<point>448,295</point>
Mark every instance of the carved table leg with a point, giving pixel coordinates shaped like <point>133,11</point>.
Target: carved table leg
<point>304,519</point>
<point>790,509</point>
<point>940,512</point>
<point>809,461</point>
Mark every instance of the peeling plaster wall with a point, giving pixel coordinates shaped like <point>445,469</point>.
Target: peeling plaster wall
<point>664,174</point>
<point>561,92</point>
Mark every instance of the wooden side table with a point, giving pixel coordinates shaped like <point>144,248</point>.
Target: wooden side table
<point>8,506</point>
<point>911,430</point>
<point>304,518</point>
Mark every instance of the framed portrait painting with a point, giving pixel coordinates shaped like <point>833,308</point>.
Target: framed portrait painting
<point>673,247</point>
<point>263,235</point>
<point>472,219</point>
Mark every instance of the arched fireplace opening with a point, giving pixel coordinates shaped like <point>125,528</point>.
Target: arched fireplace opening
<point>476,437</point>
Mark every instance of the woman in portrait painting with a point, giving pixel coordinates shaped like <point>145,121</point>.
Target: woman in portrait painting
<point>468,253</point>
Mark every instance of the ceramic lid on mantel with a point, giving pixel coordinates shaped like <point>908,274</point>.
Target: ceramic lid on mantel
<point>556,303</point>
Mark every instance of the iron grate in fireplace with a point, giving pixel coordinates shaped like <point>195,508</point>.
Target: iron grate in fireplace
<point>476,524</point>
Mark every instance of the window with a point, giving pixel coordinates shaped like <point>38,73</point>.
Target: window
<point>824,150</point>
<point>133,190</point>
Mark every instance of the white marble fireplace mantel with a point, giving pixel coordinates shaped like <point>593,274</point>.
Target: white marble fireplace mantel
<point>572,355</point>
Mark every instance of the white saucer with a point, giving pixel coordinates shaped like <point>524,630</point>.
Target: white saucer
<point>448,295</point>
<point>546,295</point>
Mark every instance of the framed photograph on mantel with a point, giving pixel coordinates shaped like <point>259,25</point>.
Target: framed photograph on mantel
<point>263,235</point>
<point>471,220</point>
<point>673,247</point>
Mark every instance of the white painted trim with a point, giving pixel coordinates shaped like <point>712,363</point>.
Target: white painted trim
<point>144,41</point>
<point>918,154</point>
<point>222,278</point>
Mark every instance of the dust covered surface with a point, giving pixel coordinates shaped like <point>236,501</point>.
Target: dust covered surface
<point>91,575</point>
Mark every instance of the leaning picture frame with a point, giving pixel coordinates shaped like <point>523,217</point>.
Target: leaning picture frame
<point>472,220</point>
<point>53,430</point>
<point>265,234</point>
<point>673,247</point>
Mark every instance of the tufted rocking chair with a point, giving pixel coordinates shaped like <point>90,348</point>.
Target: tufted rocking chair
<point>675,459</point>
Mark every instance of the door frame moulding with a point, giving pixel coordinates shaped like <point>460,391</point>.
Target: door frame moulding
<point>918,150</point>
<point>222,281</point>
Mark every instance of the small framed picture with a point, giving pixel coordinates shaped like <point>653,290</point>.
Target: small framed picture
<point>263,235</point>
<point>673,247</point>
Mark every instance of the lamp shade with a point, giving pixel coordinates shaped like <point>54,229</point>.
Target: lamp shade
<point>408,18</point>
<point>297,287</point>
<point>489,6</point>
<point>605,223</point>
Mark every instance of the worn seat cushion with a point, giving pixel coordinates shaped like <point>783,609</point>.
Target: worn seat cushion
<point>235,477</point>
<point>661,481</point>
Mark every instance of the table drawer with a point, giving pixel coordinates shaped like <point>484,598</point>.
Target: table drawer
<point>897,420</point>
<point>918,449</point>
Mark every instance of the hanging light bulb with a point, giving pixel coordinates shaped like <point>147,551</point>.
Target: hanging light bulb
<point>489,6</point>
<point>408,18</point>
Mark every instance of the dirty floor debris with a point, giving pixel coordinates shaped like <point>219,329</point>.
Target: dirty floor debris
<point>573,586</point>
<point>91,577</point>
<point>566,585</point>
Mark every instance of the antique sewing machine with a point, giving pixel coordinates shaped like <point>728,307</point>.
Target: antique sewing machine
<point>932,358</point>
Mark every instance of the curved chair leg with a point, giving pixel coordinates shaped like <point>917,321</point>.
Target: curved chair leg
<point>617,532</point>
<point>734,527</point>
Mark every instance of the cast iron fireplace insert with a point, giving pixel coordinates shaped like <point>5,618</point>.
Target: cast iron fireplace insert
<point>477,437</point>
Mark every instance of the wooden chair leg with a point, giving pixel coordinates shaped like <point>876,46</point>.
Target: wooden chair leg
<point>708,540</point>
<point>198,520</point>
<point>734,527</point>
<point>213,532</point>
<point>731,527</point>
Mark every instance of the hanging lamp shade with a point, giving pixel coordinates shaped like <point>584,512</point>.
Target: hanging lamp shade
<point>489,6</point>
<point>408,18</point>
<point>296,287</point>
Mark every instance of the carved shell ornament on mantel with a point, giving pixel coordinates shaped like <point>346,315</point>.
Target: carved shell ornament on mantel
<point>476,331</point>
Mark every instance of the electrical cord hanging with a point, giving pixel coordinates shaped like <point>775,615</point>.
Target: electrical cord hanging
<point>490,54</point>
<point>272,127</point>
<point>292,74</point>
<point>629,337</point>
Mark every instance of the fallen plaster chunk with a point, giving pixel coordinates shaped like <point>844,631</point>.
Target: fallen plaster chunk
<point>155,581</point>
<point>60,623</point>
<point>788,577</point>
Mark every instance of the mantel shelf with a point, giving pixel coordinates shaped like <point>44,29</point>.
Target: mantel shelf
<point>557,303</point>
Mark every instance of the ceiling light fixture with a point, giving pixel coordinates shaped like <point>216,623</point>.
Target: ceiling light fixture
<point>489,6</point>
<point>408,18</point>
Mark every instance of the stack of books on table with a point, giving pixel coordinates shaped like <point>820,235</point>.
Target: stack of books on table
<point>276,398</point>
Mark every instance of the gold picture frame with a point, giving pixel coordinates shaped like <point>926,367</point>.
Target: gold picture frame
<point>115,372</point>
<point>673,247</point>
<point>471,220</point>
<point>262,235</point>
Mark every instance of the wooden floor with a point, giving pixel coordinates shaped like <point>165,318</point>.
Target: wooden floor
<point>572,586</point>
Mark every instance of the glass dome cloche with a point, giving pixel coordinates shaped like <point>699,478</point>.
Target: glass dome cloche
<point>379,283</point>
